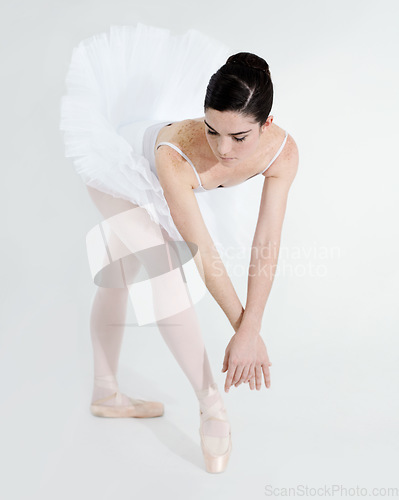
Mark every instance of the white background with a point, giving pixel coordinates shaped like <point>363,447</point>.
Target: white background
<point>331,414</point>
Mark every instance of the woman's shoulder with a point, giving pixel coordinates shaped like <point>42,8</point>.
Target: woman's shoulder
<point>288,156</point>
<point>186,136</point>
<point>181,133</point>
<point>189,136</point>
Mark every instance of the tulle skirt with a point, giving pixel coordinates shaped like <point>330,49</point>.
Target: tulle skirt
<point>125,80</point>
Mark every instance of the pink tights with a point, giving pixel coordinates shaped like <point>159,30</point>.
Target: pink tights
<point>181,332</point>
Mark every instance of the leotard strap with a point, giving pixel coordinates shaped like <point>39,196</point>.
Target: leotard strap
<point>278,152</point>
<point>184,156</point>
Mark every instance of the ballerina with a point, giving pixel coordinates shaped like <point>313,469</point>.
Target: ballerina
<point>232,142</point>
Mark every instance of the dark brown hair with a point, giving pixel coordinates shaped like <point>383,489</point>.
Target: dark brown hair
<point>243,84</point>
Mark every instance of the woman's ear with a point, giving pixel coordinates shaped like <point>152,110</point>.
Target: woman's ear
<point>267,122</point>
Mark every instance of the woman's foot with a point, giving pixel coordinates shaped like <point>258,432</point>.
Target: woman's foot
<point>105,386</point>
<point>215,430</point>
<point>108,401</point>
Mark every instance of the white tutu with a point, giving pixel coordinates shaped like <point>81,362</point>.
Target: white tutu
<point>128,79</point>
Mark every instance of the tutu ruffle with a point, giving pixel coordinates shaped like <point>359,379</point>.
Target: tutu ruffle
<point>145,74</point>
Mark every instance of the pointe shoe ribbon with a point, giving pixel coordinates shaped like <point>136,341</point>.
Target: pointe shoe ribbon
<point>216,444</point>
<point>139,408</point>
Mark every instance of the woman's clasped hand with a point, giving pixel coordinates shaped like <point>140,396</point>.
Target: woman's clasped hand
<point>246,360</point>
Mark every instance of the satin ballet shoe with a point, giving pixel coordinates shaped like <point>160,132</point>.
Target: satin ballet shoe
<point>138,408</point>
<point>215,447</point>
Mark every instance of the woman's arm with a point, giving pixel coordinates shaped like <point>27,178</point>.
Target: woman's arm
<point>246,355</point>
<point>266,241</point>
<point>175,176</point>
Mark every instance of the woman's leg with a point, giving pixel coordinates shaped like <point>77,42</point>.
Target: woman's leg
<point>181,331</point>
<point>108,314</point>
<point>107,322</point>
<point>182,334</point>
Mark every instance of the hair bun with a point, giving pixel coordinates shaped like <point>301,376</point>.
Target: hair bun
<point>250,60</point>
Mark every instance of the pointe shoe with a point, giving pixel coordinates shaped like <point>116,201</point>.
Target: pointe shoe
<point>215,450</point>
<point>138,408</point>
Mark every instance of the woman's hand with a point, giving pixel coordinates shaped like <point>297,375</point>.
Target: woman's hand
<point>246,359</point>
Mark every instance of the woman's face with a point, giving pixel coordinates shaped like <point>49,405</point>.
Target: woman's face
<point>232,137</point>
